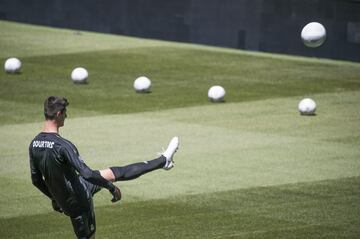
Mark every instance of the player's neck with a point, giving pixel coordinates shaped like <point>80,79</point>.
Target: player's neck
<point>51,126</point>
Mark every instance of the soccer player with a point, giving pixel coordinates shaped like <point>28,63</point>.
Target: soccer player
<point>59,172</point>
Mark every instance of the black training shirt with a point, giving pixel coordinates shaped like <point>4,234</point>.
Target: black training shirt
<point>56,166</point>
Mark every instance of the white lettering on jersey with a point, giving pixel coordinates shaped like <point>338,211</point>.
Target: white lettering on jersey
<point>43,144</point>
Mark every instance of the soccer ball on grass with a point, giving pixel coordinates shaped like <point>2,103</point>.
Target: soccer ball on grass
<point>216,93</point>
<point>307,106</point>
<point>12,65</point>
<point>142,84</point>
<point>79,75</point>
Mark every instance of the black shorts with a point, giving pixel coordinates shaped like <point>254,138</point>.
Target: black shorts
<point>84,224</point>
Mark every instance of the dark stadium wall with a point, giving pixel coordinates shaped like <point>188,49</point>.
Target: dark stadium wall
<point>257,25</point>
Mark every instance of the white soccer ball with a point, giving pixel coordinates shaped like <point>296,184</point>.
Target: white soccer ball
<point>142,84</point>
<point>307,106</point>
<point>12,65</point>
<point>313,34</point>
<point>216,93</point>
<point>79,75</point>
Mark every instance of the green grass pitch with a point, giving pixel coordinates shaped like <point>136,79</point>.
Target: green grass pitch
<point>251,167</point>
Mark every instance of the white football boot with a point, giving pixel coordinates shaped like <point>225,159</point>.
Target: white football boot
<point>169,153</point>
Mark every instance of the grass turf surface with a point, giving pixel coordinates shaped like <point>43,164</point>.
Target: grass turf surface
<point>181,75</point>
<point>247,168</point>
<point>325,209</point>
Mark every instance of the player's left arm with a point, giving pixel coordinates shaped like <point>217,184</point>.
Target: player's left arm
<point>93,176</point>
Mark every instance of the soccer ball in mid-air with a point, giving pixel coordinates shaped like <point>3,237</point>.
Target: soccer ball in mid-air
<point>307,106</point>
<point>142,84</point>
<point>313,34</point>
<point>12,65</point>
<point>216,93</point>
<point>79,75</point>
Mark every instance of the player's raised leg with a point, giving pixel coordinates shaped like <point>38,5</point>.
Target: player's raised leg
<point>169,153</point>
<point>135,170</point>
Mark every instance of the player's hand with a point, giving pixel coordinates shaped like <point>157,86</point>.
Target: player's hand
<point>116,194</point>
<point>56,206</point>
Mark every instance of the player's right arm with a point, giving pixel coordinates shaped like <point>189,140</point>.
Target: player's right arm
<point>37,177</point>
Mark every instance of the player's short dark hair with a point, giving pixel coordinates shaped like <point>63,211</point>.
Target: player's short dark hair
<point>54,104</point>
